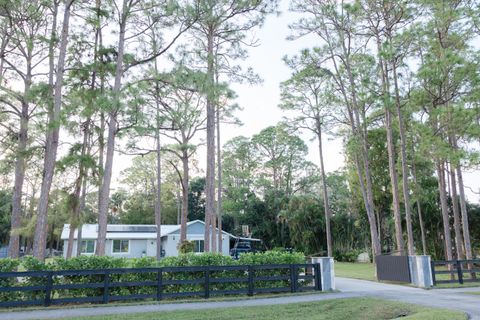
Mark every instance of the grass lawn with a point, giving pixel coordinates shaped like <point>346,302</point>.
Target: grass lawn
<point>457,285</point>
<point>353,308</point>
<point>363,271</point>
<point>472,292</point>
<point>164,301</point>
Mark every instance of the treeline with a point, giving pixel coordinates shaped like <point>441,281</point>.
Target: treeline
<point>86,84</point>
<point>82,81</point>
<point>400,77</point>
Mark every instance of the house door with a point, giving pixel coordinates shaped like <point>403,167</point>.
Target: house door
<point>151,248</point>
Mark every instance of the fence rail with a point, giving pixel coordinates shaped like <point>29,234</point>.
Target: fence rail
<point>105,285</point>
<point>455,271</point>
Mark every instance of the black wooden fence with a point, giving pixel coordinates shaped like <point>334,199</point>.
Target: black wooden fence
<point>455,271</point>
<point>105,285</point>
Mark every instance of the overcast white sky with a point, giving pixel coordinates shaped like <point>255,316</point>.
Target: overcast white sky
<point>260,102</point>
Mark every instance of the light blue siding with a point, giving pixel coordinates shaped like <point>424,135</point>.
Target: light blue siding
<point>196,228</point>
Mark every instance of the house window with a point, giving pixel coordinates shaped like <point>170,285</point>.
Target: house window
<point>87,246</point>
<point>120,246</point>
<point>199,245</point>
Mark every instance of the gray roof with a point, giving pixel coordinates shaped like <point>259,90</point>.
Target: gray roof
<point>127,231</point>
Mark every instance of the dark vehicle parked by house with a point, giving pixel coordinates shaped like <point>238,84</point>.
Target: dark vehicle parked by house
<point>246,245</point>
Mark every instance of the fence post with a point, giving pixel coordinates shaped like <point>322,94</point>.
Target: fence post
<point>422,271</point>
<point>159,284</point>
<point>106,283</point>
<point>327,272</point>
<point>250,280</point>
<point>459,271</point>
<point>207,282</point>
<point>48,289</point>
<point>434,278</point>
<point>293,278</point>
<point>318,277</point>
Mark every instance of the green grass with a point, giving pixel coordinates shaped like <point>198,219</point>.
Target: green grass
<point>472,292</point>
<point>164,301</point>
<point>352,308</point>
<point>457,285</point>
<point>363,271</point>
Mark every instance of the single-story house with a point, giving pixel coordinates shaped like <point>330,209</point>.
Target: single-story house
<point>135,241</point>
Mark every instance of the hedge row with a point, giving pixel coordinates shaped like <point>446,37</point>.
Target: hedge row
<point>94,262</point>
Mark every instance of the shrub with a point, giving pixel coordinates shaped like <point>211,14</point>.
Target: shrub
<point>33,264</point>
<point>192,259</point>
<point>346,255</point>
<point>186,247</point>
<point>9,265</point>
<point>88,262</point>
<point>85,263</point>
<point>271,257</point>
<point>189,259</point>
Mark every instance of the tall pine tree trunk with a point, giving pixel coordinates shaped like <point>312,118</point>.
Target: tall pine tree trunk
<point>40,237</point>
<point>457,223</point>
<point>71,238</point>
<point>325,190</point>
<point>465,223</point>
<point>101,129</point>
<point>80,224</point>
<point>185,182</point>
<point>219,184</point>
<point>210,175</point>
<point>16,217</point>
<point>419,208</point>
<point>104,197</point>
<point>179,206</point>
<point>101,153</point>
<point>444,208</point>
<point>368,189</point>
<point>75,218</point>
<point>362,163</point>
<point>158,198</point>
<point>394,184</point>
<point>361,154</point>
<point>403,153</point>
<point>392,169</point>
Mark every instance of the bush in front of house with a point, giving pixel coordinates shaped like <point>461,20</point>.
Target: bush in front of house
<point>8,265</point>
<point>183,260</point>
<point>186,247</point>
<point>272,258</point>
<point>204,259</point>
<point>86,263</point>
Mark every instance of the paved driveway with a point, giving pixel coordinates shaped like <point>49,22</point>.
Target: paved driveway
<point>444,298</point>
<point>454,299</point>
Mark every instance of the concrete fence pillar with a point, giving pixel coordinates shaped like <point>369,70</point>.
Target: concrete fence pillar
<point>327,272</point>
<point>420,271</point>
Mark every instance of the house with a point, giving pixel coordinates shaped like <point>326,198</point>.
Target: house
<point>135,241</point>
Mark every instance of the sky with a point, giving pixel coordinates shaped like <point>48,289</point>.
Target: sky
<point>260,102</point>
